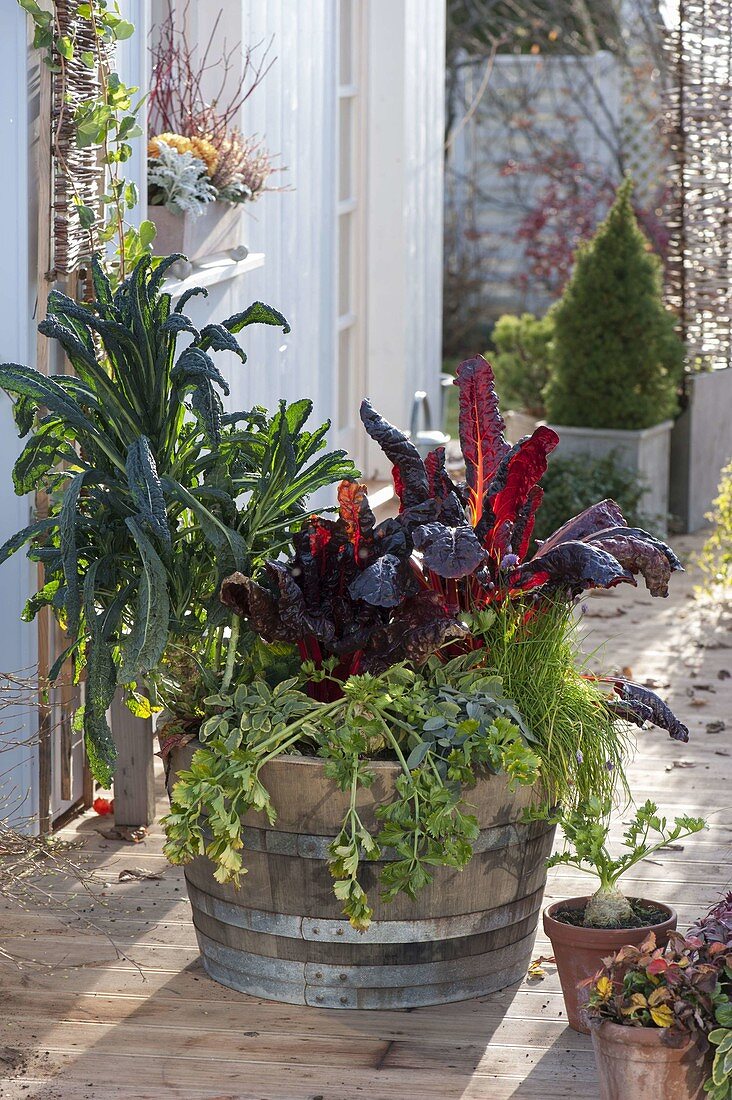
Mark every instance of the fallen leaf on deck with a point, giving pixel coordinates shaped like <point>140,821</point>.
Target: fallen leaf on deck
<point>536,972</point>
<point>671,848</point>
<point>724,674</point>
<point>721,752</point>
<point>717,726</point>
<point>130,873</point>
<point>680,764</point>
<point>130,833</point>
<point>698,702</point>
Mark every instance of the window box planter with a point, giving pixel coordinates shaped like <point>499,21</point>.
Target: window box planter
<point>646,453</point>
<point>216,230</point>
<point>634,1062</point>
<point>282,934</point>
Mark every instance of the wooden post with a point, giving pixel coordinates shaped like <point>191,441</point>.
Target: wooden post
<point>45,626</point>
<point>134,788</point>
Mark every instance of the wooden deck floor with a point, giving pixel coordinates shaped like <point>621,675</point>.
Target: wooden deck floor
<point>79,1021</point>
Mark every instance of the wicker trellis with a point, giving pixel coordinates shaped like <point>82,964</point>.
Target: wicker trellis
<point>700,116</point>
<point>78,174</point>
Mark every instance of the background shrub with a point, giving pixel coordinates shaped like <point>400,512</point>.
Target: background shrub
<point>521,360</point>
<point>616,359</point>
<point>716,557</point>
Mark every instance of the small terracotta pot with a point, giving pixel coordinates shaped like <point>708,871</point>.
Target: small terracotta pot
<point>579,951</point>
<point>633,1064</point>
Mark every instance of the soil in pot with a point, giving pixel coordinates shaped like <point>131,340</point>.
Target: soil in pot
<point>579,951</point>
<point>634,1064</point>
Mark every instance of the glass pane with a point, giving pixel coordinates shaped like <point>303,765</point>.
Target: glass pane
<point>345,149</point>
<point>345,75</point>
<point>345,259</point>
<point>345,357</point>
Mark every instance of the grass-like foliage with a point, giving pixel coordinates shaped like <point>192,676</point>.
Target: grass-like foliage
<point>581,745</point>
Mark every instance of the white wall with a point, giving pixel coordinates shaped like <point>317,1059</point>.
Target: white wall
<point>294,112</point>
<point>18,765</point>
<point>404,222</point>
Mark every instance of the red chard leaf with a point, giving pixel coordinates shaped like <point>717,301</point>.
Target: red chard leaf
<point>385,583</point>
<point>442,489</point>
<point>417,629</point>
<point>639,533</point>
<point>525,469</point>
<point>574,567</point>
<point>256,605</point>
<point>401,453</point>
<point>524,527</point>
<point>481,429</point>
<point>357,518</point>
<point>450,552</point>
<point>638,556</point>
<point>598,517</point>
<point>643,705</point>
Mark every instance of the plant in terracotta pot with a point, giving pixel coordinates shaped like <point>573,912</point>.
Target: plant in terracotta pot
<point>583,930</point>
<point>410,688</point>
<point>662,1018</point>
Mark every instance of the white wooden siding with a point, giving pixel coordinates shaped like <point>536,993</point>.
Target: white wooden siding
<point>18,765</point>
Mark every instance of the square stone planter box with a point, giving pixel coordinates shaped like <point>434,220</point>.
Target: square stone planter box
<point>217,230</point>
<point>646,453</point>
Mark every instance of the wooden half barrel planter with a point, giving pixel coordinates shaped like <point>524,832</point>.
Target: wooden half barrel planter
<point>282,934</point>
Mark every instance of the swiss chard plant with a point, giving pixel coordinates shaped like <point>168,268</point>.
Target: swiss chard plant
<point>453,573</point>
<point>154,492</point>
<point>432,639</point>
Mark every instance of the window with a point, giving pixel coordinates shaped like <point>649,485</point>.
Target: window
<point>349,214</point>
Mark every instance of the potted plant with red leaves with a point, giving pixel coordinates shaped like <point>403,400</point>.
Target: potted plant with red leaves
<point>584,930</point>
<point>412,688</point>
<point>662,1018</point>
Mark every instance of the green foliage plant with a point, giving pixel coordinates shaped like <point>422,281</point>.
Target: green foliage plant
<point>156,493</point>
<point>616,359</point>
<point>107,121</point>
<point>444,724</point>
<point>586,828</point>
<point>573,483</point>
<point>683,989</point>
<point>536,655</point>
<point>715,559</point>
<point>522,361</point>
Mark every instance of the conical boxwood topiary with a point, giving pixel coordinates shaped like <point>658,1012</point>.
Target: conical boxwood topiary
<point>616,360</point>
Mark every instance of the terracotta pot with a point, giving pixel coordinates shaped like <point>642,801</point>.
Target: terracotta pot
<point>579,951</point>
<point>632,1062</point>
